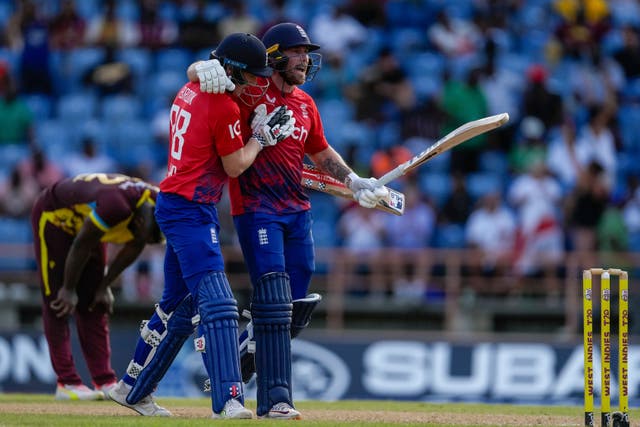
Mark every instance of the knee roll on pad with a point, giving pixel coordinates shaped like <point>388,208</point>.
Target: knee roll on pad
<point>271,317</point>
<point>301,316</point>
<point>161,339</point>
<point>219,327</point>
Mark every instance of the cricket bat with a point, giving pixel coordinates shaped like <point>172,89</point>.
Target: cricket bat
<point>452,139</point>
<point>317,180</point>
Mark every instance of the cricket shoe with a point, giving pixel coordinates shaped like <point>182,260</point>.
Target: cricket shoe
<point>282,411</point>
<point>234,410</point>
<point>104,388</point>
<point>77,392</point>
<point>146,406</point>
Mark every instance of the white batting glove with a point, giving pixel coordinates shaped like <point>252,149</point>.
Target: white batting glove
<point>366,190</point>
<point>269,129</point>
<point>212,77</point>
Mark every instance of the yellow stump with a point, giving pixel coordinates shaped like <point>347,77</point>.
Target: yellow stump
<point>587,312</point>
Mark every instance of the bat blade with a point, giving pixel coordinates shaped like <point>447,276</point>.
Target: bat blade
<point>315,179</point>
<point>455,137</point>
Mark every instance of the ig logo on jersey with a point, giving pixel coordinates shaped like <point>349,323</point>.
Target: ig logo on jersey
<point>234,130</point>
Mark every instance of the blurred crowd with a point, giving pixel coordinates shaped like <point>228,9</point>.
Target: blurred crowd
<point>85,86</point>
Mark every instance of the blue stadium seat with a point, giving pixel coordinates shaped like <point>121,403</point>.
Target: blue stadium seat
<point>165,84</point>
<point>117,108</point>
<point>39,105</point>
<point>55,137</point>
<point>493,161</point>
<point>138,59</point>
<point>628,119</point>
<point>10,155</point>
<point>435,185</point>
<point>15,230</point>
<point>481,183</point>
<point>449,236</point>
<point>173,59</point>
<point>130,142</point>
<point>76,107</point>
<point>76,64</point>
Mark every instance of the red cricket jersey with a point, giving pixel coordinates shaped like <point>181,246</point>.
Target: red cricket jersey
<point>203,128</point>
<point>272,183</point>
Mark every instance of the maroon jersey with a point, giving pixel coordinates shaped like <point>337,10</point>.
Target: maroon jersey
<point>110,200</point>
<point>203,128</point>
<point>273,183</point>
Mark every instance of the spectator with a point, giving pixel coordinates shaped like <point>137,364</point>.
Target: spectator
<point>239,20</point>
<point>383,160</point>
<point>562,159</point>
<point>39,168</point>
<point>536,197</point>
<point>361,233</point>
<point>464,101</point>
<point>457,207</point>
<point>107,30</point>
<point>538,101</point>
<point>453,37</point>
<point>111,76</point>
<point>597,79</point>
<point>200,31</point>
<point>155,32</point>
<point>596,142</point>
<point>583,24</point>
<point>337,31</point>
<point>67,28</point>
<point>17,195</point>
<point>412,231</point>
<point>531,147</point>
<point>491,231</point>
<point>88,160</point>
<point>628,55</point>
<point>16,120</point>
<point>29,35</point>
<point>585,208</point>
<point>383,90</point>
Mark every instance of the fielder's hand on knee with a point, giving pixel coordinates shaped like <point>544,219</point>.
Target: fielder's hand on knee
<point>212,77</point>
<point>269,129</point>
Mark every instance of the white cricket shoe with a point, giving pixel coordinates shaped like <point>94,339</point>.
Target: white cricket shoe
<point>146,406</point>
<point>233,409</point>
<point>77,392</point>
<point>282,411</point>
<point>104,388</point>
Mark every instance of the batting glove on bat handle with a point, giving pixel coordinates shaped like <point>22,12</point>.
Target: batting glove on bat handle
<point>370,198</point>
<point>355,183</point>
<point>213,78</point>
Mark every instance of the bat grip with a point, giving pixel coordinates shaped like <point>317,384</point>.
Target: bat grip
<point>390,176</point>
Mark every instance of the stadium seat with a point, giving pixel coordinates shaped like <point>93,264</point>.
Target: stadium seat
<point>75,65</point>
<point>55,137</point>
<point>450,236</point>
<point>39,105</point>
<point>76,108</point>
<point>10,155</point>
<point>117,108</point>
<point>165,84</point>
<point>481,183</point>
<point>15,230</point>
<point>173,60</point>
<point>130,142</point>
<point>628,119</point>
<point>493,161</point>
<point>435,185</point>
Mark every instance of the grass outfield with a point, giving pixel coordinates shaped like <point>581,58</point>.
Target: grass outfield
<point>42,410</point>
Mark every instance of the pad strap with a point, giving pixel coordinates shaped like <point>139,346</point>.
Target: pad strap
<point>178,328</point>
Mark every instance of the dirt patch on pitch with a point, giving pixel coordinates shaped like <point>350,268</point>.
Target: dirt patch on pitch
<point>359,417</point>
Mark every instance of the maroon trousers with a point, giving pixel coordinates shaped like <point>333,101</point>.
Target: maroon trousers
<point>52,241</point>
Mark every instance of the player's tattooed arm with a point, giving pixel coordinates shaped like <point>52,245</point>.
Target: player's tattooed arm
<point>331,162</point>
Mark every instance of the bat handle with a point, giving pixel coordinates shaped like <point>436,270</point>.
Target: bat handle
<point>390,176</point>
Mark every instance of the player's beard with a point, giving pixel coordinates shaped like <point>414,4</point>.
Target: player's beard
<point>294,76</point>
